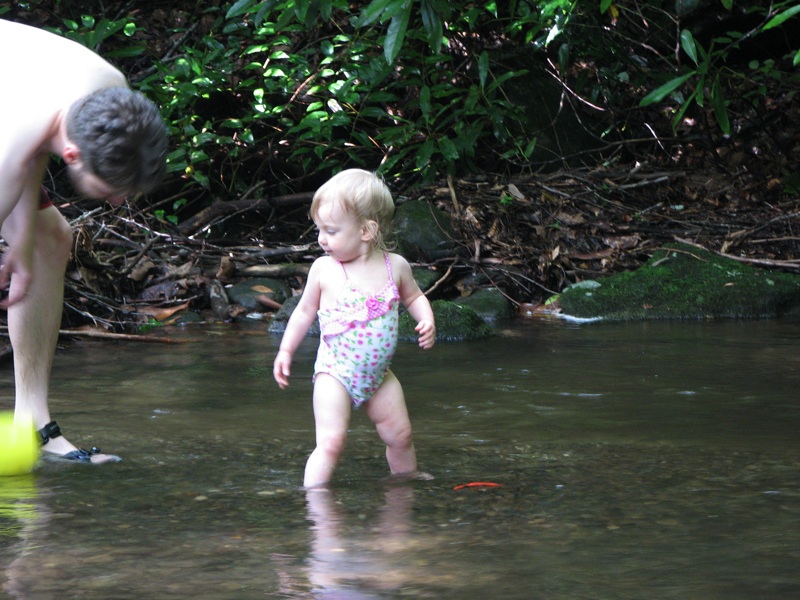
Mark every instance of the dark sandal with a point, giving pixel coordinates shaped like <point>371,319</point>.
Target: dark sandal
<point>80,455</point>
<point>52,430</point>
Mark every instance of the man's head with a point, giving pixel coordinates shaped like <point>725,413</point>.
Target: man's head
<point>115,135</point>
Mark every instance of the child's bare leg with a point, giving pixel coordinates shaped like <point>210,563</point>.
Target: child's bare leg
<point>332,416</point>
<point>387,410</point>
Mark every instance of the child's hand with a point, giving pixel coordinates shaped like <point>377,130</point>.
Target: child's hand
<point>282,368</point>
<point>427,334</point>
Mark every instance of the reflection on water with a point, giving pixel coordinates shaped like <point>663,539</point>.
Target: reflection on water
<point>17,504</point>
<point>21,517</point>
<point>642,460</point>
<point>349,562</point>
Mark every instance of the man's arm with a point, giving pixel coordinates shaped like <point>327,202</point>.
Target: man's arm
<point>22,165</point>
<point>18,231</point>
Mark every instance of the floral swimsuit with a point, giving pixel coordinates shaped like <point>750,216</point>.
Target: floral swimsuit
<point>359,336</point>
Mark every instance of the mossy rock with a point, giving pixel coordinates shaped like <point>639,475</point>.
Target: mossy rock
<point>425,278</point>
<point>490,304</point>
<point>681,281</point>
<point>454,323</point>
<point>423,233</point>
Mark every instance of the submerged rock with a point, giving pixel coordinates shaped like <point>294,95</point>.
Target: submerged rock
<point>681,281</point>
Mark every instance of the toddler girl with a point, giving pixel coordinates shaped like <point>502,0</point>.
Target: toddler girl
<point>355,291</point>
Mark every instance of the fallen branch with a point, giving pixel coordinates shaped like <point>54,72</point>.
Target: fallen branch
<point>106,335</point>
<point>762,262</point>
<point>121,336</point>
<point>281,270</point>
<point>222,209</point>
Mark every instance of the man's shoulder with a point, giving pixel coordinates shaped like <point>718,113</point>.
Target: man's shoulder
<point>53,59</point>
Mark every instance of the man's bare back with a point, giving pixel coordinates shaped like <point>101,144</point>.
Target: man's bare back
<point>46,82</point>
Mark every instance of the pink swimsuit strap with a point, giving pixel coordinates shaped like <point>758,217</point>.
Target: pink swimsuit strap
<point>344,314</point>
<point>389,281</point>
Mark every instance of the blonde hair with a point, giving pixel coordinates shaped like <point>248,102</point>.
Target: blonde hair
<point>365,196</point>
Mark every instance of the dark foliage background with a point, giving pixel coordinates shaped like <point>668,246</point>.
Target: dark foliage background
<point>577,134</point>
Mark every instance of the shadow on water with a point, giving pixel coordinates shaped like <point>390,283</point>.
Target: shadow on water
<point>654,460</point>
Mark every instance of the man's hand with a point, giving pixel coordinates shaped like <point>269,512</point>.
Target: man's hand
<point>20,268</point>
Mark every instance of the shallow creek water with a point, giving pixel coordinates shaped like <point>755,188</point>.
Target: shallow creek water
<point>648,460</point>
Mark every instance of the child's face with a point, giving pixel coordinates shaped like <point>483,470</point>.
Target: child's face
<point>340,234</point>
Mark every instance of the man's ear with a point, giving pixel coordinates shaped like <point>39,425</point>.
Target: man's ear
<point>71,154</point>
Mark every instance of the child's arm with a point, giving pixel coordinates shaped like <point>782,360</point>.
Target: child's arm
<point>415,302</point>
<point>296,329</point>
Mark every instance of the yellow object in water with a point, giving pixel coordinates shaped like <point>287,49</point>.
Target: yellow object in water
<point>19,446</point>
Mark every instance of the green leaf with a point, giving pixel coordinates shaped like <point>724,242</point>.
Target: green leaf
<point>699,91</point>
<point>658,94</point>
<point>563,58</point>
<point>502,79</point>
<point>720,110</point>
<point>373,12</point>
<point>423,156</point>
<point>265,7</point>
<point>448,148</point>
<point>784,16</point>
<point>301,10</point>
<point>126,52</point>
<point>682,111</point>
<point>425,100</point>
<point>688,44</point>
<point>432,21</point>
<point>396,34</point>
<point>530,148</point>
<point>239,8</point>
<point>483,68</point>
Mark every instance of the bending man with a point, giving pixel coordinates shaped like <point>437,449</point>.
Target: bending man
<point>62,99</point>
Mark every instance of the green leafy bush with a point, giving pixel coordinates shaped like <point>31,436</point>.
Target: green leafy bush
<point>282,91</point>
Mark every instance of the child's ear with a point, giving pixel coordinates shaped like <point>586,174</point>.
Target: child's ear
<point>369,231</point>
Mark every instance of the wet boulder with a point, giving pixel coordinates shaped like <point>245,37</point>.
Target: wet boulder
<point>490,304</point>
<point>454,323</point>
<point>425,278</point>
<point>423,232</point>
<point>681,281</point>
<point>278,322</point>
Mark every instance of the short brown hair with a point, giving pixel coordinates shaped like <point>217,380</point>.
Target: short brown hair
<point>121,137</point>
